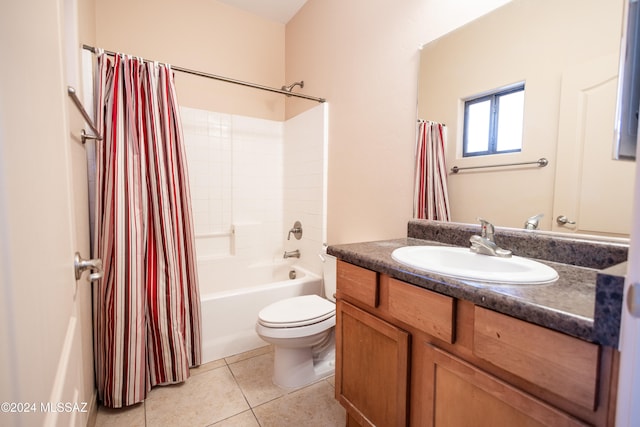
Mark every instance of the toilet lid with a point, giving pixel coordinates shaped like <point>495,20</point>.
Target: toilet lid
<point>297,311</point>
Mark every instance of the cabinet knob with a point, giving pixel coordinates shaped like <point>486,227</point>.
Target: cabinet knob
<point>633,299</point>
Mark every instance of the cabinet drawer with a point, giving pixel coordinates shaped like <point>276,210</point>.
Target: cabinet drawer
<point>562,364</point>
<point>358,283</point>
<point>428,311</point>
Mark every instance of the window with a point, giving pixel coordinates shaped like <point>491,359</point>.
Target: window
<point>493,123</point>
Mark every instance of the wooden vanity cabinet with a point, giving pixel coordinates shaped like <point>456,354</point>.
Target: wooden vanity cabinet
<point>373,370</point>
<point>373,373</point>
<point>409,356</point>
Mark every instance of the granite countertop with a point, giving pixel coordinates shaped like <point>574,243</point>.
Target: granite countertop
<point>584,302</point>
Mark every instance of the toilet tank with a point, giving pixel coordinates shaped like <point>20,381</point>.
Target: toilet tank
<point>329,263</point>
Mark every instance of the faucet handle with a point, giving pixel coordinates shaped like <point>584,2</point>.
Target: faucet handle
<point>296,231</point>
<point>486,229</point>
<point>533,222</point>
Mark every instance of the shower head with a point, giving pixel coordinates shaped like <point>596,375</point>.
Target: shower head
<point>292,85</point>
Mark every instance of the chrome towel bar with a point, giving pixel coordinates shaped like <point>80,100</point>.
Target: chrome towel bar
<point>96,134</point>
<point>542,162</point>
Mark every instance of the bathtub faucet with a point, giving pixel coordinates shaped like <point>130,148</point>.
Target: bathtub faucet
<point>292,254</point>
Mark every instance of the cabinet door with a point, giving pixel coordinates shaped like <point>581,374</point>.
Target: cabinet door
<point>372,368</point>
<point>463,395</point>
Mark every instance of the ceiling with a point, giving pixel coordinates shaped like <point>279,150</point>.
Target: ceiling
<point>275,10</point>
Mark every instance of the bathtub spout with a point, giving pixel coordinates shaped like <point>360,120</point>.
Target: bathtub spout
<point>292,254</point>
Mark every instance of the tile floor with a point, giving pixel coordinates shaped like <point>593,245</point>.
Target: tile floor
<point>235,391</point>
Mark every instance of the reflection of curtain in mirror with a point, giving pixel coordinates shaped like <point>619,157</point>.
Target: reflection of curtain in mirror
<point>431,199</point>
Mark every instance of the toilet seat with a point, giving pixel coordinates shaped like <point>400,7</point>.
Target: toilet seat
<point>296,312</point>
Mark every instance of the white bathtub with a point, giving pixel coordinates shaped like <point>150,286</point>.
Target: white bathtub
<point>229,317</point>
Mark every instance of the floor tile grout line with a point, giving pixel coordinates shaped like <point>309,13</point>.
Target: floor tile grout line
<point>252,407</point>
<point>256,417</point>
<point>289,393</point>
<point>232,416</point>
<point>293,391</point>
<point>244,396</point>
<point>225,362</point>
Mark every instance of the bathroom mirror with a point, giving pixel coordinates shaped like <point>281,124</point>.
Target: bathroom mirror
<point>628,85</point>
<point>567,53</point>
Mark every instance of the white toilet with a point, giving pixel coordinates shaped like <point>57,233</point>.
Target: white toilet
<point>301,330</point>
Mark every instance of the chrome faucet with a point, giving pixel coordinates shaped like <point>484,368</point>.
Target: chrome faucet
<point>533,222</point>
<point>292,254</point>
<point>485,243</point>
<point>487,231</point>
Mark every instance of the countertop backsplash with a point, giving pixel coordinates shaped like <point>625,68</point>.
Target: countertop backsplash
<point>579,250</point>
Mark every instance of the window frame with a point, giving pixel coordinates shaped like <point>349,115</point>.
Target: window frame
<point>494,98</point>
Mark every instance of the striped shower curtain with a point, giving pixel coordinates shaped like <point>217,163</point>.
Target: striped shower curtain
<point>147,306</point>
<point>431,199</point>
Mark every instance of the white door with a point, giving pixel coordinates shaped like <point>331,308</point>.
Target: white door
<point>592,190</point>
<point>628,410</point>
<point>46,366</point>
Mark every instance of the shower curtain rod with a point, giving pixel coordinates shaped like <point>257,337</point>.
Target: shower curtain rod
<point>221,78</point>
<point>430,121</point>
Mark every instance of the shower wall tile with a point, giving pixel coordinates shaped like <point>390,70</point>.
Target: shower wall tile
<point>259,177</point>
<point>219,245</point>
<point>304,174</point>
<point>257,187</point>
<point>235,166</point>
<point>208,146</point>
<point>248,239</point>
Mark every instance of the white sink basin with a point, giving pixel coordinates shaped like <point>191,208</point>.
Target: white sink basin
<point>461,263</point>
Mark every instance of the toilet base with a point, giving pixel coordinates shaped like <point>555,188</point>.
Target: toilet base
<point>296,367</point>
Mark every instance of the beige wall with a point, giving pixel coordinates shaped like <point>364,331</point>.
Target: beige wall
<point>363,56</point>
<point>527,44</point>
<point>203,35</point>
